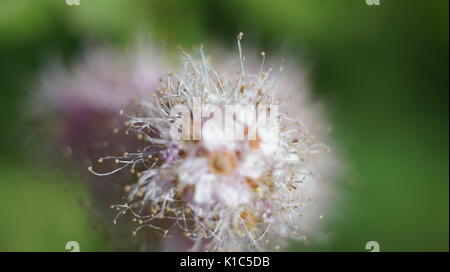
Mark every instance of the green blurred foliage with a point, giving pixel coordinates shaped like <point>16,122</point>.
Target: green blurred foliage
<point>381,70</point>
<point>43,211</point>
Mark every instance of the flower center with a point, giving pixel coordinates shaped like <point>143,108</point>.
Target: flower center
<point>222,162</point>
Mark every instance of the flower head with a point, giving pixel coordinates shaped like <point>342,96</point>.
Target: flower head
<point>227,158</point>
<point>83,105</point>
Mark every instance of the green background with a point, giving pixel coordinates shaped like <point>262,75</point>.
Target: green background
<point>381,70</point>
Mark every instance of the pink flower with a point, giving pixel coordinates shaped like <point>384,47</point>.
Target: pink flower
<point>222,192</point>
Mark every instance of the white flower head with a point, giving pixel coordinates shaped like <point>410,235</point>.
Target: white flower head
<point>231,180</point>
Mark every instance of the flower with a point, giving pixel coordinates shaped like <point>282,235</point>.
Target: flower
<point>253,190</point>
<point>82,107</point>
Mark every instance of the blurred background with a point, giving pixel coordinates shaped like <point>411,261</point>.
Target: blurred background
<point>381,70</point>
